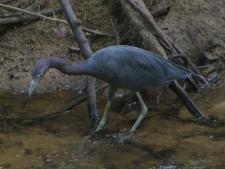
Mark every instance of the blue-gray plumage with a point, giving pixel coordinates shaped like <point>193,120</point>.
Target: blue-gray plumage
<point>133,68</point>
<point>122,67</point>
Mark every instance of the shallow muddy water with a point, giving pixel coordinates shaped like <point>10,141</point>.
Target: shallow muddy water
<point>169,138</point>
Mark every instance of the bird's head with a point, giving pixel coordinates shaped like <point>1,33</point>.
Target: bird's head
<point>37,73</point>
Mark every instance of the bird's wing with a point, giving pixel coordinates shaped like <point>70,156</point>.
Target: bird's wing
<point>150,66</point>
<point>131,67</point>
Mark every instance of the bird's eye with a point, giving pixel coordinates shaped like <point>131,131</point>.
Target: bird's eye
<point>40,75</point>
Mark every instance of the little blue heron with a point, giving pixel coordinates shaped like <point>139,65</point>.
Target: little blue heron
<point>121,66</point>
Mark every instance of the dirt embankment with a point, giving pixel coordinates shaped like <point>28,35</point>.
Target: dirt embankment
<point>23,44</point>
<point>196,26</point>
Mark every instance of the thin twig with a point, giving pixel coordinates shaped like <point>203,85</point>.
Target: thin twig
<point>117,36</point>
<point>53,19</point>
<point>18,65</point>
<point>34,14</point>
<point>122,27</point>
<point>22,18</point>
<point>96,32</point>
<point>74,49</point>
<point>158,96</point>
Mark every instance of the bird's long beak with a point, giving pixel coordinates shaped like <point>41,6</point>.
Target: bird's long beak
<point>33,85</point>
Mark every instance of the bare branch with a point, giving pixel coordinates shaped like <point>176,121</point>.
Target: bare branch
<point>87,53</point>
<point>39,15</point>
<point>32,13</point>
<point>12,20</point>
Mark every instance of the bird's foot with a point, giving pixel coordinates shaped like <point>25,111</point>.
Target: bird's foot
<point>123,136</point>
<point>101,125</point>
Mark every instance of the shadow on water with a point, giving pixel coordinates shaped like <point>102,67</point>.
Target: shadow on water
<point>169,138</point>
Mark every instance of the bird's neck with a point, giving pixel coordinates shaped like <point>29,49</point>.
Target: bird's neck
<point>79,68</point>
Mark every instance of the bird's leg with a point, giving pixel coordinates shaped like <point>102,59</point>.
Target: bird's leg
<point>101,124</point>
<point>144,111</point>
<point>111,92</point>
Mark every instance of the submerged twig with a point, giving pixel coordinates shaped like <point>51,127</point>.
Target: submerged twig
<point>54,115</point>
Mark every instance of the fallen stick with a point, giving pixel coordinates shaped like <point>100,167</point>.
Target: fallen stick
<point>86,51</point>
<point>33,14</point>
<point>38,15</point>
<point>23,18</point>
<point>94,32</point>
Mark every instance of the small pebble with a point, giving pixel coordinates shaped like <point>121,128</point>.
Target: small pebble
<point>211,137</point>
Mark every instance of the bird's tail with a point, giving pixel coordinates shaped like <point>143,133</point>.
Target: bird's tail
<point>200,77</point>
